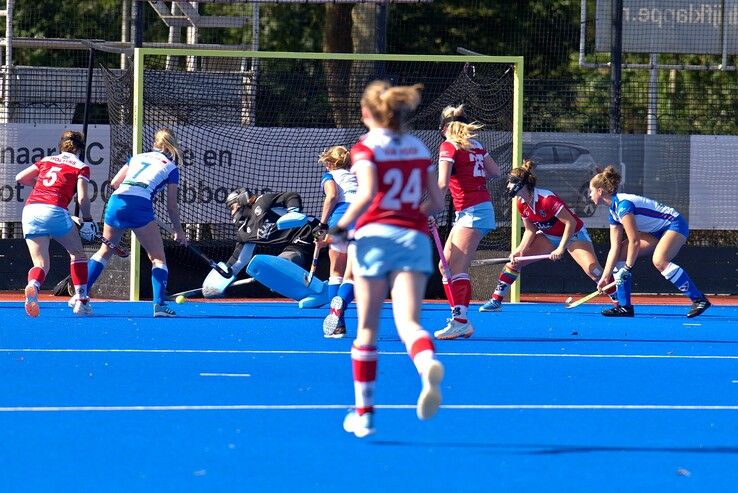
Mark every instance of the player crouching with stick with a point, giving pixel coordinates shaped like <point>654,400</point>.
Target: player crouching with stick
<point>649,227</point>
<point>551,227</point>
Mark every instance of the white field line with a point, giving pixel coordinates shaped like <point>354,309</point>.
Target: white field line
<point>344,353</point>
<point>235,375</point>
<point>324,407</point>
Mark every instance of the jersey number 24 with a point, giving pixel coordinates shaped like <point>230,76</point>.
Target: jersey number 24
<point>400,191</point>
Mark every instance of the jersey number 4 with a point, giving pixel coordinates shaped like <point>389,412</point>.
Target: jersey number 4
<point>401,191</point>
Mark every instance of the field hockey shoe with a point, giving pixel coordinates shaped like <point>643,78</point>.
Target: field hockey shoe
<point>72,301</point>
<point>82,307</point>
<point>698,306</point>
<point>491,306</point>
<point>430,395</point>
<point>334,326</point>
<point>163,310</point>
<point>454,329</point>
<point>361,425</point>
<point>619,311</point>
<point>32,308</point>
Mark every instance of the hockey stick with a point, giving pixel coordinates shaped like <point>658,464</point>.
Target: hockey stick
<point>193,292</point>
<point>117,249</point>
<point>444,263</point>
<point>573,304</point>
<point>198,252</point>
<point>504,260</point>
<point>309,277</point>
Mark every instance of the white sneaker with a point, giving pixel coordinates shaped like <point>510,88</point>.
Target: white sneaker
<point>491,306</point>
<point>72,301</point>
<point>360,425</point>
<point>430,396</point>
<point>455,329</point>
<point>82,307</point>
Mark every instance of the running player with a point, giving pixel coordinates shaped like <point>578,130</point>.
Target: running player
<point>463,167</point>
<point>55,179</point>
<point>130,207</point>
<point>392,248</point>
<point>649,227</point>
<point>551,227</point>
<point>339,186</point>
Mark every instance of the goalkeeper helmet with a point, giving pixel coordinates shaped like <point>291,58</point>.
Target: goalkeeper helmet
<point>239,196</point>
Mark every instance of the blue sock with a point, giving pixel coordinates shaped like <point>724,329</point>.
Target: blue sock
<point>679,278</point>
<point>95,267</point>
<point>159,277</point>
<point>346,291</point>
<point>334,282</point>
<point>624,291</point>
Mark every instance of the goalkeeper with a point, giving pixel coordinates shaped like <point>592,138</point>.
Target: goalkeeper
<point>255,218</point>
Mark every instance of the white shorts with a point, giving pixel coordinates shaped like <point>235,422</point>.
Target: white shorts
<point>45,220</point>
<point>480,217</point>
<point>382,249</point>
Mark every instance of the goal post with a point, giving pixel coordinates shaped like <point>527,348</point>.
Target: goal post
<point>260,120</point>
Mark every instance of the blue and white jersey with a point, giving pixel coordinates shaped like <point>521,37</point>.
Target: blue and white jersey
<point>147,174</point>
<point>346,184</point>
<point>650,216</point>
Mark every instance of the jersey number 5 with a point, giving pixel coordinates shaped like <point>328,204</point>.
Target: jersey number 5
<point>51,176</point>
<point>401,192</point>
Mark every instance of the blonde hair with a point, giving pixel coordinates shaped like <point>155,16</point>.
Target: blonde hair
<point>525,174</point>
<point>391,106</point>
<point>336,157</point>
<point>608,179</point>
<point>459,132</point>
<point>164,140</point>
<point>72,141</point>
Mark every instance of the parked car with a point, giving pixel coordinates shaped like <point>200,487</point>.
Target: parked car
<point>561,167</point>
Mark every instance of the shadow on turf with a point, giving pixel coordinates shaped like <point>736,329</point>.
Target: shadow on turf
<point>550,449</point>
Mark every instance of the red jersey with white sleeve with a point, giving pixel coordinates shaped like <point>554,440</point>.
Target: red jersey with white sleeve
<point>402,162</point>
<point>468,183</point>
<point>57,178</point>
<point>546,206</point>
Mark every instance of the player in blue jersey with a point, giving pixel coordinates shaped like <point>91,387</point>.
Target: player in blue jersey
<point>130,207</point>
<point>650,227</point>
<point>339,186</point>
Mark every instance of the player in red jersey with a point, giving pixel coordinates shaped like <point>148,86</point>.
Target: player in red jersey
<point>55,179</point>
<point>464,167</point>
<point>550,227</point>
<point>392,248</point>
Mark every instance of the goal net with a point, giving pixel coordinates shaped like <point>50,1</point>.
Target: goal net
<point>260,120</point>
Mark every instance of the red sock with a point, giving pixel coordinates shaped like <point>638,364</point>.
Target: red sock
<point>36,275</point>
<point>447,290</point>
<point>461,288</point>
<point>78,273</point>
<point>364,365</point>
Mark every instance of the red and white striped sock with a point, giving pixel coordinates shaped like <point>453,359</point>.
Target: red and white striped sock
<point>364,365</point>
<point>420,347</point>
